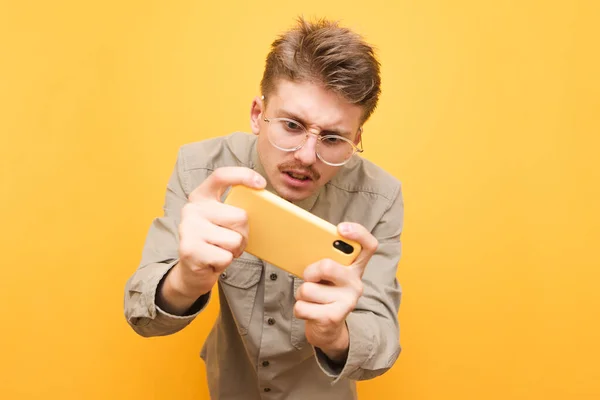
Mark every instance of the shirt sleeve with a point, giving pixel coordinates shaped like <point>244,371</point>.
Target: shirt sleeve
<point>373,326</point>
<point>160,253</point>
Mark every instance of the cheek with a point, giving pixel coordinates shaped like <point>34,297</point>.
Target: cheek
<point>269,156</point>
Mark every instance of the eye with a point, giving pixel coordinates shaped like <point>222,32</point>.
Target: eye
<point>292,126</point>
<point>332,140</point>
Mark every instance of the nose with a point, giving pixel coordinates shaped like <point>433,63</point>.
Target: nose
<point>307,154</point>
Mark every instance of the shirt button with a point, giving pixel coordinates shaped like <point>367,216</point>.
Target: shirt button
<point>267,389</point>
<point>224,275</point>
<point>273,277</point>
<point>271,321</point>
<point>265,363</point>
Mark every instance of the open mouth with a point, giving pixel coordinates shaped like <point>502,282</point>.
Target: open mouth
<point>300,177</point>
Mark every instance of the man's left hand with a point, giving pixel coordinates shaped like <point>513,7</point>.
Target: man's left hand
<point>330,292</point>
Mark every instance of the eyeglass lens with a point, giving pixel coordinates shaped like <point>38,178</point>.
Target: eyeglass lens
<point>290,135</point>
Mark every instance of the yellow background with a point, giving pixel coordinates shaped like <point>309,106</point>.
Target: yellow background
<point>489,117</point>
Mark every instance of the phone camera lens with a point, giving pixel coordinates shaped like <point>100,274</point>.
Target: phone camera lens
<point>343,246</point>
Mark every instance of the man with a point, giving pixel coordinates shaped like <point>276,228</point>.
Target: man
<point>278,336</point>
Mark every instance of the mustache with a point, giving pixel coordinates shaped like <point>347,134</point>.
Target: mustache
<point>308,171</point>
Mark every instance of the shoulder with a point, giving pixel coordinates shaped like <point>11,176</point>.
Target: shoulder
<point>364,192</point>
<point>234,149</point>
<point>362,176</point>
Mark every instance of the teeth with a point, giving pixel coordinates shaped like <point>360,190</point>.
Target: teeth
<point>301,177</point>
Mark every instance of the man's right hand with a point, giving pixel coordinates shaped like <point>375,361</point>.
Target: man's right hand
<point>211,235</point>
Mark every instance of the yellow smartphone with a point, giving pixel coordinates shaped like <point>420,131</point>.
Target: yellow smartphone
<point>286,235</point>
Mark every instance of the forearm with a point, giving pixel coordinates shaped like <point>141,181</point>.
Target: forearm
<point>373,326</point>
<point>142,312</point>
<point>373,347</point>
<point>144,299</point>
<point>337,350</point>
<point>171,293</point>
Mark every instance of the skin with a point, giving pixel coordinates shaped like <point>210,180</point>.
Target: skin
<point>212,234</point>
<point>318,110</point>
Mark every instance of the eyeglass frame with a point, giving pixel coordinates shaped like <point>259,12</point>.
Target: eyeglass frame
<point>356,149</point>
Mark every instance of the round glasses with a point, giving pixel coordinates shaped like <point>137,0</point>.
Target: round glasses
<point>289,135</point>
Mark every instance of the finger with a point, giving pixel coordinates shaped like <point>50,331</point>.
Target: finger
<point>226,239</point>
<point>329,271</point>
<point>201,254</point>
<point>221,178</point>
<point>230,217</point>
<point>197,226</point>
<point>309,311</point>
<point>216,258</point>
<point>362,236</point>
<point>220,214</point>
<point>321,313</point>
<point>318,293</point>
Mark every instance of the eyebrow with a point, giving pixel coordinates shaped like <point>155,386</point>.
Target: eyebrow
<point>291,115</point>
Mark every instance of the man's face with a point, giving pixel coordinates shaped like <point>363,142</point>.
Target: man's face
<point>296,175</point>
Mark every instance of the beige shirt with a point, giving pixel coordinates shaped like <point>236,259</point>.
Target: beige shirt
<point>257,348</point>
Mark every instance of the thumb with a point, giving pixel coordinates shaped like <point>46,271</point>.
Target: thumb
<point>362,236</point>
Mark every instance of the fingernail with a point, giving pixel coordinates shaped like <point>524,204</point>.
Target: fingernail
<point>346,228</point>
<point>259,180</point>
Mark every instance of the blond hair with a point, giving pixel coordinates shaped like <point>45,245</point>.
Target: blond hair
<point>324,53</point>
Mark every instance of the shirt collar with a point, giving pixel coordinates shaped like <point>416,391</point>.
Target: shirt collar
<point>307,204</point>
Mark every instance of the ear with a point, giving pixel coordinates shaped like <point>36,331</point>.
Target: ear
<point>358,136</point>
<point>256,114</point>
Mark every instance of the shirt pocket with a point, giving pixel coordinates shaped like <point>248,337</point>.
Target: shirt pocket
<point>239,285</point>
<point>298,336</point>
